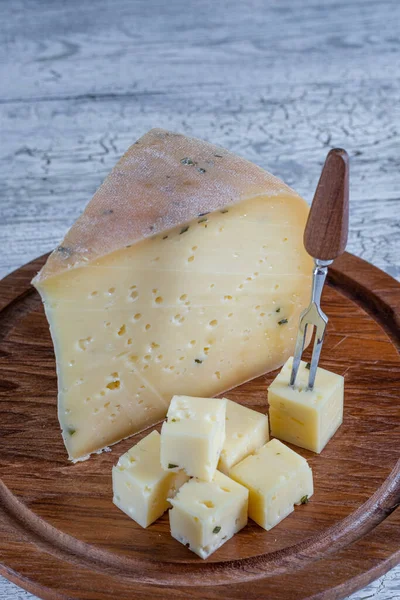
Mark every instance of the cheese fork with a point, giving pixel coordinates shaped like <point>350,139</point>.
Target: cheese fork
<point>325,238</point>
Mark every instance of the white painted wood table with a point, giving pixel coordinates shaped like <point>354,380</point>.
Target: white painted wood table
<point>279,82</point>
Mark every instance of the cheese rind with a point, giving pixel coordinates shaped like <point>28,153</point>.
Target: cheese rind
<point>193,435</point>
<point>246,430</point>
<point>277,478</point>
<point>205,515</point>
<point>141,488</point>
<point>163,181</point>
<point>148,297</point>
<point>307,418</point>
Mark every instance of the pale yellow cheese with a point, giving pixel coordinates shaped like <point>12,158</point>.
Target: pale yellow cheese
<point>277,478</point>
<point>193,435</point>
<point>307,418</point>
<point>245,431</point>
<point>147,299</point>
<point>205,515</point>
<point>140,486</point>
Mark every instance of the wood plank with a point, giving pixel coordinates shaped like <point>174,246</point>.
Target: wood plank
<point>65,44</point>
<point>52,172</point>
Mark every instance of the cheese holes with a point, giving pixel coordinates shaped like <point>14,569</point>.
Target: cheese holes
<point>115,384</point>
<point>147,327</point>
<point>224,489</point>
<point>207,503</point>
<point>133,296</point>
<point>192,343</point>
<point>190,259</point>
<point>84,343</point>
<point>217,374</point>
<point>276,287</point>
<point>122,330</point>
<point>227,298</point>
<point>111,290</point>
<point>178,319</point>
<point>93,294</point>
<point>129,342</point>
<point>159,300</point>
<point>213,323</point>
<point>183,297</point>
<point>137,317</point>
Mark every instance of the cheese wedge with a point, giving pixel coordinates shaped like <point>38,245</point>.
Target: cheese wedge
<point>185,275</point>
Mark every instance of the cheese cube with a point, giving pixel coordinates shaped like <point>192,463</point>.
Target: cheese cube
<point>141,487</point>
<point>307,418</point>
<point>193,435</point>
<point>185,274</point>
<point>277,478</point>
<point>245,431</point>
<point>207,514</point>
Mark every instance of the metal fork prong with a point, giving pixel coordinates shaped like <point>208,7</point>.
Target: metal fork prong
<point>319,338</point>
<point>298,351</point>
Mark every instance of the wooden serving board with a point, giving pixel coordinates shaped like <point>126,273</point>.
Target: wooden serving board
<point>61,536</point>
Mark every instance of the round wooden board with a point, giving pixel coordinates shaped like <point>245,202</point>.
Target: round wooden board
<point>61,536</point>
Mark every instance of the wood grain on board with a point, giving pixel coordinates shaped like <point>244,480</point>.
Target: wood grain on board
<point>80,546</point>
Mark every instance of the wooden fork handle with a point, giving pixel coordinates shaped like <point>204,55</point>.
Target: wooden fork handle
<point>325,235</point>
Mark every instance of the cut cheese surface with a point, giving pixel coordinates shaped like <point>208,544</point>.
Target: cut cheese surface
<point>246,431</point>
<point>141,488</point>
<point>277,478</point>
<point>207,303</point>
<point>207,514</point>
<point>307,418</point>
<point>193,435</point>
